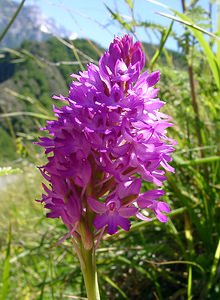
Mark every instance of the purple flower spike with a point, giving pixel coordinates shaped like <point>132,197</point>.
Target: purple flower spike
<point>108,137</point>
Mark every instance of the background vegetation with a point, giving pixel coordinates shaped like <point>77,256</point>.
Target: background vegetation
<point>179,260</point>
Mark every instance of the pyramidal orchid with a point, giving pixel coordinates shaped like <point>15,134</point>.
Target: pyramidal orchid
<point>108,138</point>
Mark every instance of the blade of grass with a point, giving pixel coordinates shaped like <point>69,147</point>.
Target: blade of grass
<point>116,16</point>
<point>75,297</point>
<point>13,51</point>
<point>73,48</point>
<point>77,56</point>
<point>26,113</point>
<point>189,285</point>
<point>150,275</point>
<point>19,96</point>
<point>173,262</point>
<point>37,104</point>
<point>12,20</point>
<point>43,284</point>
<point>28,55</point>
<point>198,161</point>
<point>178,189</point>
<point>10,126</point>
<point>158,3</point>
<point>187,22</point>
<point>218,32</point>
<point>213,62</point>
<point>6,268</point>
<point>114,285</point>
<point>164,38</point>
<point>130,3</point>
<point>188,234</point>
<point>174,231</point>
<point>197,32</point>
<point>214,266</point>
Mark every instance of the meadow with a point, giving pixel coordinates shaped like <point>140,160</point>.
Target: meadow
<point>178,260</point>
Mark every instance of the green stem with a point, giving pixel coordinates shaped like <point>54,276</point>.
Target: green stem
<point>88,268</point>
<point>193,88</point>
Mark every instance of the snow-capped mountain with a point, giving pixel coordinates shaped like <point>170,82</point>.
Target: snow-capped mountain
<point>30,24</point>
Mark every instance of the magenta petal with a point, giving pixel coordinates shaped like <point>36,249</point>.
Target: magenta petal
<point>163,206</point>
<point>146,200</point>
<point>101,221</point>
<point>53,214</point>
<point>152,105</point>
<point>112,224</point>
<point>96,206</point>
<point>123,223</point>
<point>129,188</point>
<point>160,216</point>
<point>116,220</point>
<point>153,194</point>
<point>127,211</point>
<point>142,217</point>
<point>166,166</point>
<point>153,78</point>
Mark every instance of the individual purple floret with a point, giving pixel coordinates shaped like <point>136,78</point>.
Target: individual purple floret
<point>107,138</point>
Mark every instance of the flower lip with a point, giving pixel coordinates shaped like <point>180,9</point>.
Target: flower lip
<point>112,206</point>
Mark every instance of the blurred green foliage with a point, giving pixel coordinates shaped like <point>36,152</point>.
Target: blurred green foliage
<point>179,260</point>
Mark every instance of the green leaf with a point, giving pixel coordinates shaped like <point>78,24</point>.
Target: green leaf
<point>189,285</point>
<point>158,3</point>
<point>218,32</point>
<point>164,38</point>
<point>11,20</point>
<point>173,262</point>
<point>198,161</point>
<point>6,268</point>
<point>130,3</point>
<point>114,285</point>
<point>26,113</point>
<point>214,265</point>
<point>116,16</point>
<point>197,32</point>
<point>185,20</point>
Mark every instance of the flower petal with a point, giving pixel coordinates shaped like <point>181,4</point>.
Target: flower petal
<point>96,206</point>
<point>163,206</point>
<point>146,200</point>
<point>127,211</point>
<point>142,217</point>
<point>153,78</point>
<point>101,221</point>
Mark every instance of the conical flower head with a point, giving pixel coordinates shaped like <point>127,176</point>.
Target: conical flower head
<point>108,137</point>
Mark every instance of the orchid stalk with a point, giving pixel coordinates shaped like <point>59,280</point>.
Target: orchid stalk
<point>108,138</point>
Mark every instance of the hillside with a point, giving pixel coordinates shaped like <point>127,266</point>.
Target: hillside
<point>39,70</point>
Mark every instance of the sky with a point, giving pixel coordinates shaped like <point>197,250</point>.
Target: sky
<point>91,19</point>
